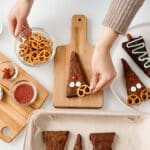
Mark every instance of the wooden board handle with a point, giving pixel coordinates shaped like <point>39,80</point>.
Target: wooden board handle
<point>79,30</point>
<point>4,137</point>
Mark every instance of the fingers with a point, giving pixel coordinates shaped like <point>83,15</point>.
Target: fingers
<point>103,83</point>
<point>108,84</point>
<point>15,25</point>
<point>26,30</point>
<point>94,81</point>
<point>19,27</point>
<point>100,85</point>
<point>12,24</point>
<point>26,26</point>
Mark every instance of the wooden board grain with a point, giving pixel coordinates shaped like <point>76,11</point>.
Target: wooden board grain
<point>42,91</point>
<point>61,67</point>
<point>14,116</point>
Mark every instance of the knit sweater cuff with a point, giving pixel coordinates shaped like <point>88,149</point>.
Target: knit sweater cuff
<point>121,13</point>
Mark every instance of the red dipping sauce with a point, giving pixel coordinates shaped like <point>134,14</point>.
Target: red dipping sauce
<point>24,93</point>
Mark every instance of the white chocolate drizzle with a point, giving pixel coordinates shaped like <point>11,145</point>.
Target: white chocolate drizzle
<point>137,49</point>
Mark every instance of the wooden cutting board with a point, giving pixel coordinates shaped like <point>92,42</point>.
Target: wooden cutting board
<point>61,67</point>
<point>12,116</point>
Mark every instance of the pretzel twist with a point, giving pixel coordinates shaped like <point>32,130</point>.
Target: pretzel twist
<point>145,94</point>
<point>133,99</point>
<point>83,90</point>
<point>36,49</point>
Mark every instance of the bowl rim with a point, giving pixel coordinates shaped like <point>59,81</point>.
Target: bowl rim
<point>19,82</point>
<point>15,67</point>
<point>1,28</point>
<point>42,30</point>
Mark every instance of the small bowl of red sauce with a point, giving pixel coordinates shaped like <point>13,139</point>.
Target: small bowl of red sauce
<point>23,92</point>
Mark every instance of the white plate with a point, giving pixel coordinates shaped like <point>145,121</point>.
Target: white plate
<point>130,134</point>
<point>118,86</point>
<point>1,28</point>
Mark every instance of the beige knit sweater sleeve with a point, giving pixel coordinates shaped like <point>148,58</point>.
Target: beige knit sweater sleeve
<point>121,13</point>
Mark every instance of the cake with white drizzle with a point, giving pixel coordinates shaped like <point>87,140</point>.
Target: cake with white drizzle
<point>136,49</point>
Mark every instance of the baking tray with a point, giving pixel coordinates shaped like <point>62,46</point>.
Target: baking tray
<point>132,131</point>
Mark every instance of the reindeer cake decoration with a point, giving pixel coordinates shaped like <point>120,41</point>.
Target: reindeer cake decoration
<point>136,90</point>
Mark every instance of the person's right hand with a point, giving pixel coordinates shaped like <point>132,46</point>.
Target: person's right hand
<point>18,16</point>
<point>103,71</point>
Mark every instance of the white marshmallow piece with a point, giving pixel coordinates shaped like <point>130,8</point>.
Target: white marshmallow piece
<point>78,84</point>
<point>72,84</point>
<point>138,85</point>
<point>133,89</point>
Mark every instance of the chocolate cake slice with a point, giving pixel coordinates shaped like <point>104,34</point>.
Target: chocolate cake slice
<point>78,143</point>
<point>136,49</point>
<point>55,140</point>
<point>133,84</point>
<point>102,141</point>
<point>77,76</point>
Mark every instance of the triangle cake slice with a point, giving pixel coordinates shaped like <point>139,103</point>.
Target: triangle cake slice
<point>102,141</point>
<point>78,143</point>
<point>77,76</point>
<point>134,85</point>
<point>55,140</point>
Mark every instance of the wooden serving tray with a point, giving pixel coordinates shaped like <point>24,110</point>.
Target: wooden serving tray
<point>13,116</point>
<point>61,67</point>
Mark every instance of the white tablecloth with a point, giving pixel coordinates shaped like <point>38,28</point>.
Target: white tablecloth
<point>55,16</point>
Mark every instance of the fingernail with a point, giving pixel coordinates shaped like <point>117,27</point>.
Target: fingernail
<point>16,34</point>
<point>93,91</point>
<point>91,87</point>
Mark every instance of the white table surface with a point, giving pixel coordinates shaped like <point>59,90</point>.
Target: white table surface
<point>55,17</point>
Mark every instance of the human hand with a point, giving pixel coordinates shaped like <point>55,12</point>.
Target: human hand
<point>18,16</point>
<point>103,71</point>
